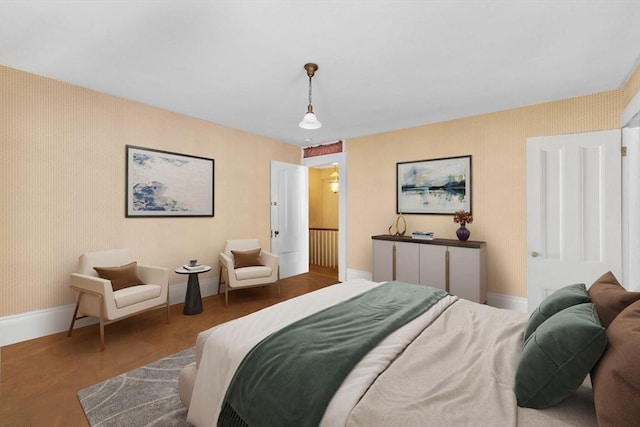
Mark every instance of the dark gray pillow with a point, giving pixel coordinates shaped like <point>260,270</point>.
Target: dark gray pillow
<point>558,356</point>
<point>554,303</point>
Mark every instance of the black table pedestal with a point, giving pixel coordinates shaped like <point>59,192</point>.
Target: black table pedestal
<point>193,299</point>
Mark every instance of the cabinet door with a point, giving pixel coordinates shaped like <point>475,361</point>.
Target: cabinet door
<point>382,260</point>
<point>408,262</point>
<point>433,266</point>
<point>464,273</point>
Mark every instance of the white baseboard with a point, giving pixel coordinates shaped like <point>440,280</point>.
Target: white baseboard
<point>36,324</point>
<point>358,274</point>
<point>40,323</point>
<point>507,301</point>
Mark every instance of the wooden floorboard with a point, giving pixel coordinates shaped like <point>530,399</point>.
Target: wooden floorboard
<point>39,378</point>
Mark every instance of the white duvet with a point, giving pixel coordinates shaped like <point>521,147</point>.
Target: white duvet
<point>227,344</point>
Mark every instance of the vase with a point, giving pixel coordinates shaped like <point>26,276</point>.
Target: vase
<point>463,233</point>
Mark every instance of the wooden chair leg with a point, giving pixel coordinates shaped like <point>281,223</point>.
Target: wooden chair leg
<point>101,334</point>
<point>224,279</point>
<point>168,306</point>
<point>101,323</point>
<point>75,314</point>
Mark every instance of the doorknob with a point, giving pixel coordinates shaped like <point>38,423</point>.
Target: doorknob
<point>275,233</point>
<point>534,254</point>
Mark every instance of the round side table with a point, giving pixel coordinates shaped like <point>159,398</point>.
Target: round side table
<point>193,299</point>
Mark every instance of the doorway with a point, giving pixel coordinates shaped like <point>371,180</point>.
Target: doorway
<point>327,164</point>
<point>324,188</point>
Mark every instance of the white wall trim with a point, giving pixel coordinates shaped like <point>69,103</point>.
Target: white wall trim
<point>359,274</point>
<point>40,323</point>
<point>507,301</point>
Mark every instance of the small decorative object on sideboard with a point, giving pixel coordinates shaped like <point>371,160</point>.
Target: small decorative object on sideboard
<point>397,229</point>
<point>422,235</point>
<point>463,217</point>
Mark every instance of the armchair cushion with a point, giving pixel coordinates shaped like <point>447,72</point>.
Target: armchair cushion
<point>121,277</point>
<point>246,258</point>
<point>135,294</point>
<point>253,272</point>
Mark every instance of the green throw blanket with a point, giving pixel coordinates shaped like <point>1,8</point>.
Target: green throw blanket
<point>289,378</point>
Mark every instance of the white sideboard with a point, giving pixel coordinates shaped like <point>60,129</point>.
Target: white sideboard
<point>454,266</point>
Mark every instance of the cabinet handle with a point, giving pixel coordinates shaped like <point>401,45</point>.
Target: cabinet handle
<point>534,254</point>
<point>446,270</point>
<point>393,263</point>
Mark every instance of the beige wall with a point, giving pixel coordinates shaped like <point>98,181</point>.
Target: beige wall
<point>63,180</point>
<point>497,144</point>
<point>632,86</point>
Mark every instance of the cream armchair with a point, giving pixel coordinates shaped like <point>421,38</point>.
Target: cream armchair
<point>96,297</point>
<point>246,277</point>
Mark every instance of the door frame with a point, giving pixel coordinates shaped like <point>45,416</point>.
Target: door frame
<point>339,159</point>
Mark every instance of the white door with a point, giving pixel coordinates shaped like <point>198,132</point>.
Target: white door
<point>290,217</point>
<point>573,210</point>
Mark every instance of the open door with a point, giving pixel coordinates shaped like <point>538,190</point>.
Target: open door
<point>573,210</point>
<point>290,217</point>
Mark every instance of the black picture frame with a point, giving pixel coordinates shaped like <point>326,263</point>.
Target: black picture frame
<point>434,186</point>
<point>162,184</point>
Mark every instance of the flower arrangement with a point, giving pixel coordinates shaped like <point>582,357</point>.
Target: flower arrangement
<point>462,217</point>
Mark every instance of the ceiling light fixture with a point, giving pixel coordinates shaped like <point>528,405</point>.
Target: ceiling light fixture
<point>310,121</point>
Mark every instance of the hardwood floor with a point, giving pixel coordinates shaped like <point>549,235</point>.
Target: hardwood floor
<point>39,378</point>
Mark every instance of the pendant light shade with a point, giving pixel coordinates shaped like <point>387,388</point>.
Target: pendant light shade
<point>310,121</point>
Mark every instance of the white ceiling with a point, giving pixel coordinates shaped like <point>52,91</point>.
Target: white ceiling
<point>383,65</point>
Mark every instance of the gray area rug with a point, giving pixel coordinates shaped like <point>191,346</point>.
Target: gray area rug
<point>147,396</point>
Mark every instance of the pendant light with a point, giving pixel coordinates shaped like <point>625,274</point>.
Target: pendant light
<point>310,121</point>
<point>334,180</point>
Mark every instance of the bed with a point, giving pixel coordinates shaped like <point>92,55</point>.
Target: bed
<point>453,364</point>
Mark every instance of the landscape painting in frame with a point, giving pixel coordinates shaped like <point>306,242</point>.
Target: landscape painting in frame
<point>164,184</point>
<point>437,186</point>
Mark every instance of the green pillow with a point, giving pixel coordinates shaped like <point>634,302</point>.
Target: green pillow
<point>558,356</point>
<point>554,303</point>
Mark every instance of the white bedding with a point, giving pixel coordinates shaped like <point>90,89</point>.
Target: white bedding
<point>227,344</point>
<point>458,371</point>
<point>461,372</point>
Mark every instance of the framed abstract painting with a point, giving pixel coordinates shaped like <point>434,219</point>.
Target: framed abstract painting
<point>435,186</point>
<point>165,184</point>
